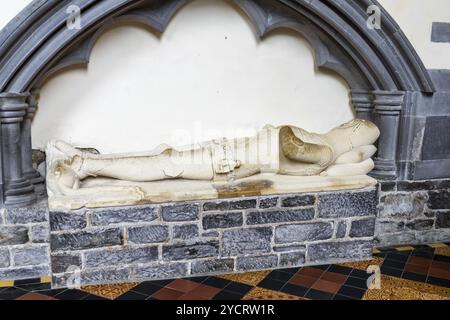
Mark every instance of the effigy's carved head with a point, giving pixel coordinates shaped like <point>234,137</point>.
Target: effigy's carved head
<point>358,132</point>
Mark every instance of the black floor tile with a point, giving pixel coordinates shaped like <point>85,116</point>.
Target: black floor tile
<point>294,290</point>
<point>131,295</point>
<point>71,294</point>
<point>341,297</point>
<point>393,264</point>
<point>340,269</point>
<point>279,276</point>
<point>162,283</point>
<point>271,284</point>
<point>438,282</point>
<point>216,282</point>
<point>147,288</point>
<point>322,267</point>
<point>318,295</point>
<point>35,287</point>
<point>94,297</point>
<point>12,293</point>
<point>356,282</point>
<point>423,252</point>
<point>391,271</point>
<point>27,281</point>
<point>397,256</point>
<point>238,287</point>
<point>290,270</point>
<point>52,292</point>
<point>198,279</point>
<point>352,292</point>
<point>414,276</point>
<point>440,258</point>
<point>359,274</point>
<point>226,295</point>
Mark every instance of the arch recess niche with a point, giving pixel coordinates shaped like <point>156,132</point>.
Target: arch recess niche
<point>379,65</point>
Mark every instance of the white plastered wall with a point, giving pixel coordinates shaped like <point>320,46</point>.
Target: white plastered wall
<point>206,76</point>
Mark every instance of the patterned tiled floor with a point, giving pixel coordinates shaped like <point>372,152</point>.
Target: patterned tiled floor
<point>407,273</point>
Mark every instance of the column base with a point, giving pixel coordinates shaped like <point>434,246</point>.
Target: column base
<point>384,169</point>
<point>19,193</point>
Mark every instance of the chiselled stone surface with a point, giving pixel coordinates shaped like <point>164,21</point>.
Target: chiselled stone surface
<point>185,232</point>
<point>382,227</point>
<point>12,235</point>
<point>65,262</point>
<point>163,271</point>
<point>223,220</point>
<point>86,239</point>
<point>191,251</point>
<point>298,201</point>
<point>116,275</point>
<point>30,256</point>
<point>303,232</point>
<point>296,247</point>
<point>403,206</point>
<point>292,259</point>
<point>40,233</point>
<point>4,258</point>
<point>266,203</point>
<point>125,256</point>
<point>439,199</point>
<point>67,221</point>
<point>180,212</point>
<point>256,262</point>
<point>229,205</point>
<point>210,234</point>
<point>443,219</point>
<point>24,272</point>
<point>362,228</point>
<point>388,186</point>
<point>341,229</point>
<point>246,241</point>
<point>104,217</point>
<point>421,224</point>
<point>433,236</point>
<point>326,251</point>
<point>212,266</point>
<point>347,204</point>
<point>278,216</point>
<point>427,185</point>
<point>399,238</point>
<point>35,214</point>
<point>148,234</point>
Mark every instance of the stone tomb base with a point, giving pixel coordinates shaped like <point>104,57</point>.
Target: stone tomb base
<point>210,237</point>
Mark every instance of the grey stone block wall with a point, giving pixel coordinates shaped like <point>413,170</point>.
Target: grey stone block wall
<point>210,237</point>
<point>413,212</point>
<point>24,242</point>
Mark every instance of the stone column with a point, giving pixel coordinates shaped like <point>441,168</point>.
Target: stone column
<point>388,106</point>
<point>17,190</point>
<point>26,147</point>
<point>362,103</point>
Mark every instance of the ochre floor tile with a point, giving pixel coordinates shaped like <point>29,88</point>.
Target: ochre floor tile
<point>334,277</point>
<point>109,291</point>
<point>393,288</point>
<point>443,251</point>
<point>363,265</point>
<point>46,279</point>
<point>266,294</point>
<point>415,268</point>
<point>250,278</point>
<point>6,283</point>
<point>405,248</point>
<point>438,245</point>
<point>310,272</point>
<point>304,281</point>
<point>419,261</point>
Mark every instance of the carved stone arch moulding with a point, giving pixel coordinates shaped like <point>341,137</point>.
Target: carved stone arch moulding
<point>380,66</point>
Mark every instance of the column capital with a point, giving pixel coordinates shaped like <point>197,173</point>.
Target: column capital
<point>361,100</point>
<point>389,102</point>
<point>13,106</point>
<point>33,101</point>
